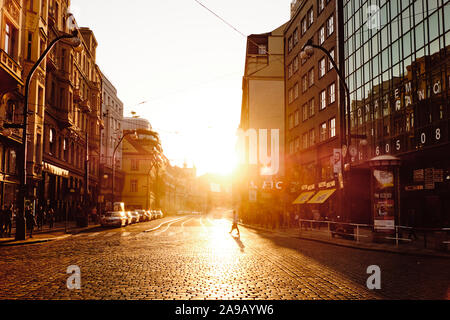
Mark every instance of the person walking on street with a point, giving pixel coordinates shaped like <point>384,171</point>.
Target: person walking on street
<point>2,220</point>
<point>40,218</point>
<point>51,218</point>
<point>30,220</point>
<point>8,219</point>
<point>235,223</point>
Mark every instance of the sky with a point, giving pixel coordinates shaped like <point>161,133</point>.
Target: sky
<point>185,63</point>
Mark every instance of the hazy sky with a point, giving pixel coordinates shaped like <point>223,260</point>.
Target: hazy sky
<point>185,62</point>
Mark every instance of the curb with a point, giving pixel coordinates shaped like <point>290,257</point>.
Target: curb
<point>423,254</point>
<point>15,244</point>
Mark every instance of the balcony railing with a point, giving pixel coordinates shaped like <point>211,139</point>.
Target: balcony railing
<point>85,106</point>
<point>10,65</point>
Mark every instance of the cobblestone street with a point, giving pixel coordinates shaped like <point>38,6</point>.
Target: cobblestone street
<point>196,258</point>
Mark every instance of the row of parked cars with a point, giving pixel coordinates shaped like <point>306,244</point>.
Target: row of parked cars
<point>124,218</point>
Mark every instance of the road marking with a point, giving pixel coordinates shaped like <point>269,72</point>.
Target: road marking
<point>156,228</point>
<point>125,234</point>
<point>169,225</point>
<point>94,234</point>
<point>110,234</point>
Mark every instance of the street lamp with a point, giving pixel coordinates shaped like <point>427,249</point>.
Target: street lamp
<point>20,219</point>
<point>114,160</point>
<point>307,51</point>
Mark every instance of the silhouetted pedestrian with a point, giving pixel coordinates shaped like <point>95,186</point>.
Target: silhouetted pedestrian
<point>235,223</point>
<point>51,218</point>
<point>9,219</point>
<point>30,220</point>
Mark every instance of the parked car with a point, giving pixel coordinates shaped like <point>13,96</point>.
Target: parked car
<point>159,214</point>
<point>149,215</point>
<point>134,217</point>
<point>114,219</point>
<point>142,215</point>
<point>155,214</point>
<point>129,217</point>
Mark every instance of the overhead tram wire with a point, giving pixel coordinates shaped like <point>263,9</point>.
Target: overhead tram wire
<point>233,27</point>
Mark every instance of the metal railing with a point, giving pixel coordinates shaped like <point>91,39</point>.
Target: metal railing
<point>365,232</point>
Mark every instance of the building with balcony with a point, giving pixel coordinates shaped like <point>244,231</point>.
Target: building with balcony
<point>12,19</point>
<point>71,146</point>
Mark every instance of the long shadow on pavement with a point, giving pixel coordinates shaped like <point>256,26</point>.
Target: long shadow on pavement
<point>403,276</point>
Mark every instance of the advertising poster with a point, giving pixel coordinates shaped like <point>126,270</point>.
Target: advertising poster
<point>384,205</point>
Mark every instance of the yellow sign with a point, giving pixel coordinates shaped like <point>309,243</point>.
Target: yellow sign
<point>322,196</point>
<point>302,198</point>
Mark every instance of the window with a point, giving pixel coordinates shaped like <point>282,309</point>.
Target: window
<point>296,118</point>
<point>310,17</point>
<point>295,64</point>
<point>297,144</point>
<point>29,44</point>
<point>332,93</point>
<point>312,108</point>
<point>290,44</point>
<point>311,77</point>
<point>10,111</point>
<point>296,91</point>
<point>40,102</point>
<point>291,147</point>
<point>51,140</point>
<point>305,112</point>
<point>330,26</point>
<point>262,49</point>
<point>312,137</point>
<point>323,131</point>
<point>304,26</point>
<point>295,36</point>
<point>304,83</point>
<point>321,67</point>
<point>65,150</point>
<point>291,122</point>
<point>10,40</point>
<point>291,95</point>
<point>134,164</point>
<point>330,65</point>
<point>305,140</point>
<point>322,35</point>
<point>133,186</point>
<point>332,126</point>
<point>321,5</point>
<point>322,100</point>
<point>290,72</point>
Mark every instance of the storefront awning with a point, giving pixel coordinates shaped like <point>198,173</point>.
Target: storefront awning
<point>302,198</point>
<point>322,196</point>
<point>55,170</point>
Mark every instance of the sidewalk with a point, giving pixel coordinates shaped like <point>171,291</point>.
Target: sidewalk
<point>365,242</point>
<point>46,234</point>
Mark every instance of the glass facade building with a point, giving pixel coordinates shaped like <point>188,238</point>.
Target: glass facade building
<point>397,67</point>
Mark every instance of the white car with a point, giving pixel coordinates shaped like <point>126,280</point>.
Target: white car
<point>114,219</point>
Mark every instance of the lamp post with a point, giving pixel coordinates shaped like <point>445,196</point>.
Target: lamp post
<point>114,160</point>
<point>306,52</point>
<point>20,219</point>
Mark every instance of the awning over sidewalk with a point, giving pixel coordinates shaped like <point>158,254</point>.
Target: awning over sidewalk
<point>55,170</point>
<point>322,196</point>
<point>302,198</point>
